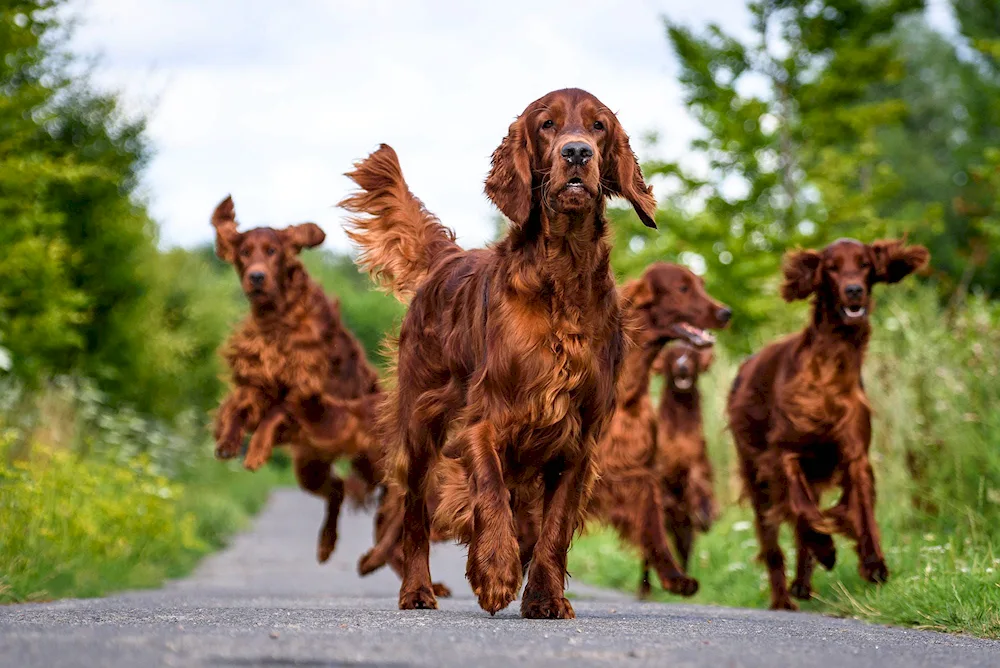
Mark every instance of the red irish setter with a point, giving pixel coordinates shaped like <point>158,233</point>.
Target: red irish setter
<point>668,302</point>
<point>802,422</point>
<point>509,354</point>
<point>682,462</point>
<point>292,360</point>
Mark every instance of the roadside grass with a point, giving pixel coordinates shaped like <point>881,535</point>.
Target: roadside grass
<point>934,383</point>
<point>94,500</point>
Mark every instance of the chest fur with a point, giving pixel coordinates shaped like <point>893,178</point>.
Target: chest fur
<point>824,396</point>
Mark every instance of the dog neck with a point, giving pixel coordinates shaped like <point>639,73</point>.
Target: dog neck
<point>836,350</point>
<point>562,256</point>
<point>634,383</point>
<point>680,412</point>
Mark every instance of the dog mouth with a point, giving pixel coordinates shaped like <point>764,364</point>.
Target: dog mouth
<point>697,337</point>
<point>576,185</point>
<point>854,312</point>
<point>684,382</point>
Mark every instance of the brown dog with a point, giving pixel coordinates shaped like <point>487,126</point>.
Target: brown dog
<point>683,466</point>
<point>291,361</point>
<point>509,355</point>
<point>668,302</point>
<point>802,422</point>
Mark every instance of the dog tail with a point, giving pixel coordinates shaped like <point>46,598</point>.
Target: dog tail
<point>400,240</point>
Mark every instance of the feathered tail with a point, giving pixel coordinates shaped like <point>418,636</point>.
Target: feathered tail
<point>399,239</point>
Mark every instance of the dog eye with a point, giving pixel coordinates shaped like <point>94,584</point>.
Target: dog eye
<point>271,251</point>
<point>245,252</point>
<point>548,124</point>
<point>684,288</point>
<point>598,125</point>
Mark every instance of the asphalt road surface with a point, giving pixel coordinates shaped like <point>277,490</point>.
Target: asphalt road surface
<point>265,602</point>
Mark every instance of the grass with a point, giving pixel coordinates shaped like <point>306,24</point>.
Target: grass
<point>82,528</point>
<point>94,499</point>
<point>934,382</point>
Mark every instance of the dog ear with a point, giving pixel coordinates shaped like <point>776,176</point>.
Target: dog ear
<point>509,182</point>
<point>801,269</point>
<point>226,236</point>
<point>705,358</point>
<point>894,261</point>
<point>305,235</point>
<point>638,293</point>
<point>622,177</point>
<point>660,363</point>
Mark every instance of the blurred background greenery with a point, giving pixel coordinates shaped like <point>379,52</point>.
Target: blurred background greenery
<point>835,118</point>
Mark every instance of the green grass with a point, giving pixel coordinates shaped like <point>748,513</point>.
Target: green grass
<point>934,383</point>
<point>84,527</point>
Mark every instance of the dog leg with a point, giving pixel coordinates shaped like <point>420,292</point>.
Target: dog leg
<point>860,490</point>
<point>543,596</point>
<point>770,550</point>
<point>494,563</point>
<point>655,546</point>
<point>314,476</point>
<point>264,438</point>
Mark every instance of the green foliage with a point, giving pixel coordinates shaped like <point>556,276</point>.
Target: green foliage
<point>933,382</point>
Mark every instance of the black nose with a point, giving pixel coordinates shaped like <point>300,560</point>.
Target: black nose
<point>257,278</point>
<point>724,314</point>
<point>854,291</point>
<point>577,153</point>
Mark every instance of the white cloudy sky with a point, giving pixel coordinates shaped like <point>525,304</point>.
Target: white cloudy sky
<point>273,101</point>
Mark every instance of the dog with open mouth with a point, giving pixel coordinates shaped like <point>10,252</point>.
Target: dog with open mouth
<point>801,420</point>
<point>683,465</point>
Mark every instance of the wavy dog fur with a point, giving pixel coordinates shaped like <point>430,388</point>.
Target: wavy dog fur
<point>508,355</point>
<point>291,362</point>
<point>801,419</point>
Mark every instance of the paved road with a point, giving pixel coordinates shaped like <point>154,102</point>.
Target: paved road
<point>264,602</point>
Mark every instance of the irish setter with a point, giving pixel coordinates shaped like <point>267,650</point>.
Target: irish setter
<point>292,360</point>
<point>668,302</point>
<point>682,462</point>
<point>508,354</point>
<point>802,422</point>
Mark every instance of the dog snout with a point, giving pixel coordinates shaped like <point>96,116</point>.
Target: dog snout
<point>724,314</point>
<point>577,153</point>
<point>256,278</point>
<point>854,291</point>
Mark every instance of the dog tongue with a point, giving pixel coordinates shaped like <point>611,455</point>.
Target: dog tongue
<point>696,337</point>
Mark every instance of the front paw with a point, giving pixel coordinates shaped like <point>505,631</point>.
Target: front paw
<point>255,459</point>
<point>441,590</point>
<point>682,585</point>
<point>420,599</point>
<point>873,569</point>
<point>801,590</point>
<point>494,573</point>
<point>227,449</point>
<point>784,603</point>
<point>557,607</point>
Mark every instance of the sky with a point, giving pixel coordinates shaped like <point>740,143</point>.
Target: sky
<point>273,101</point>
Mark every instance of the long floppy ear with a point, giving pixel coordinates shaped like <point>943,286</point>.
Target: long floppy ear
<point>894,261</point>
<point>305,235</point>
<point>622,176</point>
<point>705,358</point>
<point>660,363</point>
<point>637,293</point>
<point>801,269</point>
<point>226,236</point>
<point>509,182</point>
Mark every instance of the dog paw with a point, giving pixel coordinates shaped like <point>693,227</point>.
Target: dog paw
<point>495,574</point>
<point>644,591</point>
<point>421,599</point>
<point>254,461</point>
<point>441,590</point>
<point>557,607</point>
<point>367,563</point>
<point>873,569</point>
<point>681,585</point>
<point>801,590</point>
<point>227,450</point>
<point>784,603</point>
<point>824,550</point>
<point>327,542</point>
